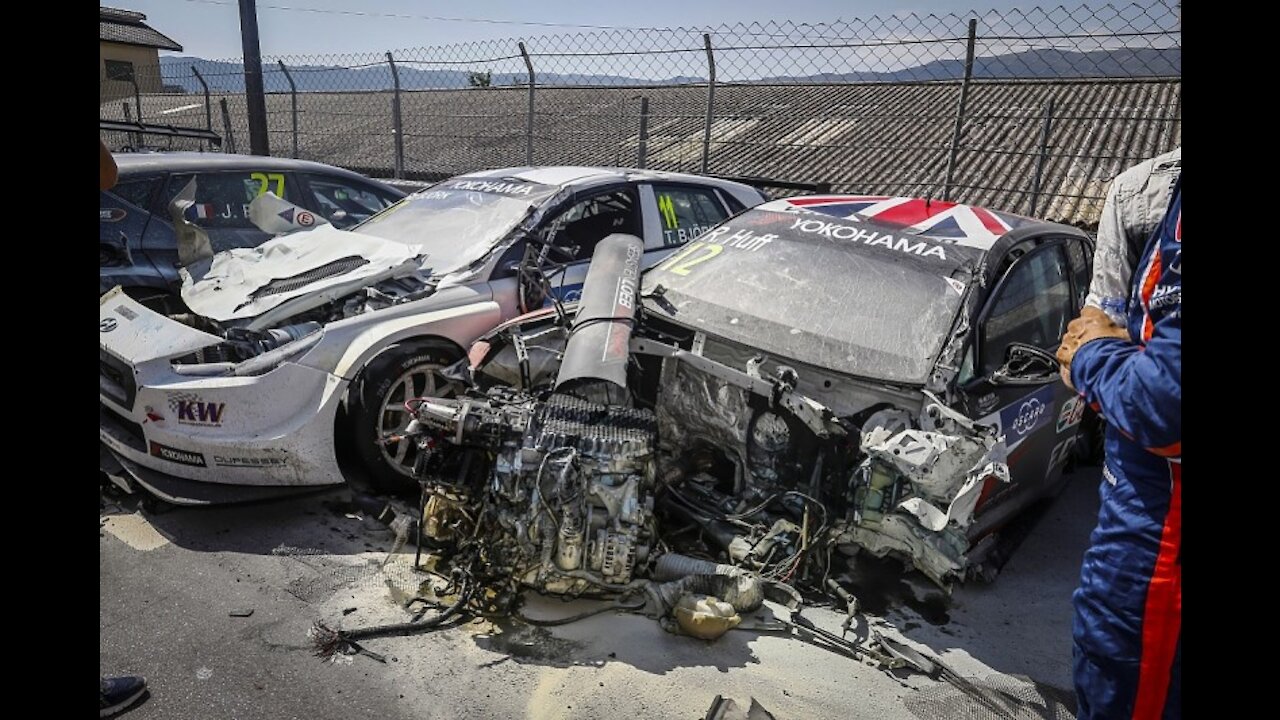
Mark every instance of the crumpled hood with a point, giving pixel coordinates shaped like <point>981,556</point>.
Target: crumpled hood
<point>323,263</point>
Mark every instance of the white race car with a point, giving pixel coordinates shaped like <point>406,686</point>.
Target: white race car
<point>301,352</point>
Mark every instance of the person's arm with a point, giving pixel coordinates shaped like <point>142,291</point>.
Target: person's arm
<point>106,167</point>
<point>1139,389</point>
<point>1109,287</point>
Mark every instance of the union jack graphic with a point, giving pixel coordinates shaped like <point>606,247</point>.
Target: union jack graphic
<point>936,219</point>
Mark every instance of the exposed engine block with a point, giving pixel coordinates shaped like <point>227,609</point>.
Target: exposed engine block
<point>572,483</point>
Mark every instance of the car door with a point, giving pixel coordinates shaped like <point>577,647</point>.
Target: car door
<point>1032,303</point>
<point>221,208</point>
<point>342,201</point>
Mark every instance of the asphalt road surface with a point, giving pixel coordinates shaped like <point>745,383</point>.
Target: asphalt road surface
<point>214,607</point>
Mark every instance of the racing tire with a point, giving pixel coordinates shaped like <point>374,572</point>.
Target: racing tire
<point>376,408</point>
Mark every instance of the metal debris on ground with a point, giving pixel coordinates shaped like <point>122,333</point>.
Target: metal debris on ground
<point>723,708</point>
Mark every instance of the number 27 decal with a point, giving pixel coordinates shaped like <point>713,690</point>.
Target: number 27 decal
<point>682,263</point>
<point>266,179</point>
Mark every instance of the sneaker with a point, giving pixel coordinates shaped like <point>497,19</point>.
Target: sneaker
<point>119,693</point>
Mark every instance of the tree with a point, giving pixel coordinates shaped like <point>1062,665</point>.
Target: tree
<point>477,79</point>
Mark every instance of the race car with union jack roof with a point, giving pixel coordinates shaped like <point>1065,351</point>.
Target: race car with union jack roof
<point>887,358</point>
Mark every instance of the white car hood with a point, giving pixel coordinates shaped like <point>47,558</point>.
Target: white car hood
<point>323,263</point>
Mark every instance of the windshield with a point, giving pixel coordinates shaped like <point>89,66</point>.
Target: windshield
<point>835,293</point>
<point>460,220</point>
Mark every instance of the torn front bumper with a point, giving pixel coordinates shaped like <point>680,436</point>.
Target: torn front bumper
<point>263,431</point>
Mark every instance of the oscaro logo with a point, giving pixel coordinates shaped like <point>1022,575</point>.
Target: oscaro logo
<point>108,325</point>
<point>1028,414</point>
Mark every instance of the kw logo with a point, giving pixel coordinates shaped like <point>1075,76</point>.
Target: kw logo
<point>668,209</point>
<point>194,411</point>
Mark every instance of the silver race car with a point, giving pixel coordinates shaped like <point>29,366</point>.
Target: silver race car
<point>298,355</point>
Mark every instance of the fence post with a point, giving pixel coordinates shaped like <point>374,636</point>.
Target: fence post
<point>128,117</point>
<point>293,104</point>
<point>229,146</point>
<point>528,139</point>
<point>1044,154</point>
<point>964,97</point>
<point>137,100</point>
<point>711,101</point>
<point>642,147</point>
<point>208,108</point>
<point>396,128</point>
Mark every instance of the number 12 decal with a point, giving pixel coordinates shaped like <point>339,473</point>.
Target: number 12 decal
<point>682,263</point>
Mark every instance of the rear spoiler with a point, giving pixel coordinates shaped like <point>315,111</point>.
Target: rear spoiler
<point>162,130</point>
<point>763,182</point>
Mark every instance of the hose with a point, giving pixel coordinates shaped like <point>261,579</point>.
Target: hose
<point>330,642</point>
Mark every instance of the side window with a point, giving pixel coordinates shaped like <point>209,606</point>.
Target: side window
<point>1032,306</point>
<point>687,212</point>
<point>591,220</point>
<point>222,198</point>
<point>1081,270</point>
<point>735,205</point>
<point>137,192</point>
<point>345,203</point>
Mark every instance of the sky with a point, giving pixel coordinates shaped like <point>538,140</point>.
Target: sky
<point>211,28</point>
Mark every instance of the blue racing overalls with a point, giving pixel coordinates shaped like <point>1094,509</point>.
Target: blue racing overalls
<point>1128,609</point>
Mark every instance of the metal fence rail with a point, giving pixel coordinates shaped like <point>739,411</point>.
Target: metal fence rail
<point>1030,111</point>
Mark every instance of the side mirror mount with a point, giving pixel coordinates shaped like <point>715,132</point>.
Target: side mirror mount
<point>1025,365</point>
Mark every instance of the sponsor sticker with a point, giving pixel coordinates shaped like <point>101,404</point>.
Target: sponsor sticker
<point>1059,454</point>
<point>183,457</point>
<point>1071,413</point>
<point>249,462</point>
<point>126,313</point>
<point>191,409</point>
<point>111,214</point>
<point>306,219</point>
<point>1026,415</point>
<point>501,188</point>
<point>988,401</point>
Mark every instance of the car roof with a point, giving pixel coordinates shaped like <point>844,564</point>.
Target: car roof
<point>139,163</point>
<point>946,222</point>
<point>591,176</point>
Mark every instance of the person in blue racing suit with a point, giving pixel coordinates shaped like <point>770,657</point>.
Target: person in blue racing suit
<point>1127,654</point>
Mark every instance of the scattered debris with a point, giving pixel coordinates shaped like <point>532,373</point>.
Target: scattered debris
<point>247,612</point>
<point>723,708</point>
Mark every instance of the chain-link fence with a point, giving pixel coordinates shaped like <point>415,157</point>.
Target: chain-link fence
<point>1030,111</point>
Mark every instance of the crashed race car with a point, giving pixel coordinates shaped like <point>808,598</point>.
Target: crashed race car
<point>299,353</point>
<point>815,378</point>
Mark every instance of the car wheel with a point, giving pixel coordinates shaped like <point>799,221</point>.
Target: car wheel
<point>403,372</point>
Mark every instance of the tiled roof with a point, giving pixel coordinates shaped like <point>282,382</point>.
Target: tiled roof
<point>127,26</point>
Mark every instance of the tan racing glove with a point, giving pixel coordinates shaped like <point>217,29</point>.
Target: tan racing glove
<point>1091,325</point>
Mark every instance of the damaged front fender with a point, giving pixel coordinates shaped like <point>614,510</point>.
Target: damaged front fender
<point>907,479</point>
